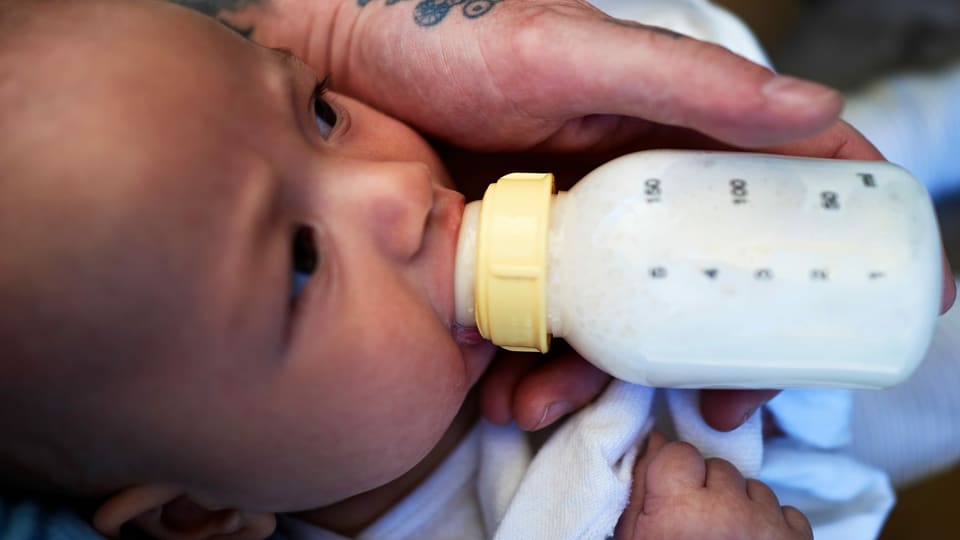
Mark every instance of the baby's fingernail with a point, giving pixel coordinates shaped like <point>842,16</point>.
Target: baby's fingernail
<point>553,411</point>
<point>788,90</point>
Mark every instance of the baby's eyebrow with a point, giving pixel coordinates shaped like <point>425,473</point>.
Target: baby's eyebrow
<point>287,56</point>
<point>296,71</point>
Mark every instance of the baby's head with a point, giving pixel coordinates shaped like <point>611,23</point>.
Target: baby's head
<point>163,180</point>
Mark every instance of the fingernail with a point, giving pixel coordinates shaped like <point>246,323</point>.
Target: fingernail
<point>232,523</point>
<point>793,91</point>
<point>553,411</point>
<point>747,415</point>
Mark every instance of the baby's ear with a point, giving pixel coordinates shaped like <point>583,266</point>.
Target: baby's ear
<point>166,513</point>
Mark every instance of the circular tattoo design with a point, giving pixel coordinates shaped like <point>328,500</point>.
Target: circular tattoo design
<point>430,12</point>
<point>476,8</point>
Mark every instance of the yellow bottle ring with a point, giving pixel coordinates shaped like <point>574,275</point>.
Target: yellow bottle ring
<point>511,283</point>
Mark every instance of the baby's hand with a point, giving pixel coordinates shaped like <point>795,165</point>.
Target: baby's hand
<point>678,495</point>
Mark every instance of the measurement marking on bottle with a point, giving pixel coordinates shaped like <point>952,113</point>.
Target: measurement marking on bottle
<point>868,179</point>
<point>652,190</point>
<point>658,272</point>
<point>739,191</point>
<point>760,274</point>
<point>829,200</point>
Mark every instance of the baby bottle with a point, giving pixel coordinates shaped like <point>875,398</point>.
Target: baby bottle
<point>710,269</point>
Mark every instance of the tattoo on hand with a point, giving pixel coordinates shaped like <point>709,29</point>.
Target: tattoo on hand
<point>431,12</point>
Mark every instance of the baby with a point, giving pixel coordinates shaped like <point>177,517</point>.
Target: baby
<point>226,293</point>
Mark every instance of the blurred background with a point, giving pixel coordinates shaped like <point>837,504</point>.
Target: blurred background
<point>851,45</point>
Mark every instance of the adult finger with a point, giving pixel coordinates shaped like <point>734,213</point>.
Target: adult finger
<point>725,410</point>
<point>949,286</point>
<point>559,386</point>
<point>500,382</point>
<point>560,67</point>
<point>839,141</point>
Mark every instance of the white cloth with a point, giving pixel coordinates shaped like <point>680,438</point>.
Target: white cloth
<point>579,482</point>
<point>577,485</point>
<point>911,430</point>
<point>844,499</point>
<point>695,18</point>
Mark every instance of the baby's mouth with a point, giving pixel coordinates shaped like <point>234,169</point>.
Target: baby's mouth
<point>440,241</point>
<point>467,336</point>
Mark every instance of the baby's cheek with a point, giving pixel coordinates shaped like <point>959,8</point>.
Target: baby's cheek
<point>476,356</point>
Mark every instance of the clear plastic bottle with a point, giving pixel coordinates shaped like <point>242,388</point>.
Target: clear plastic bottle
<point>711,269</point>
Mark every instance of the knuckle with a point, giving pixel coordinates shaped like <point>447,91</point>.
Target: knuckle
<point>721,465</point>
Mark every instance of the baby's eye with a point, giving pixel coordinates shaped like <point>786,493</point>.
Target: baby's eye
<point>325,114</point>
<point>305,258</point>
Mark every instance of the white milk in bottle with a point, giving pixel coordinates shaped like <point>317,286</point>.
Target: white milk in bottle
<point>711,269</point>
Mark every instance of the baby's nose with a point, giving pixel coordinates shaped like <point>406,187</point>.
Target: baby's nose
<point>399,197</point>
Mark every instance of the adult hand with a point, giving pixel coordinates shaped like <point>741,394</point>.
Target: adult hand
<point>556,77</point>
<point>560,76</point>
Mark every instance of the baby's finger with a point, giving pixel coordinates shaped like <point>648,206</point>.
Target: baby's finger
<point>500,382</point>
<point>798,521</point>
<point>627,523</point>
<point>721,474</point>
<point>563,384</point>
<point>761,493</point>
<point>676,469</point>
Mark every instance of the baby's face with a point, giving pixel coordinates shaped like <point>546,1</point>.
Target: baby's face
<point>197,173</point>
